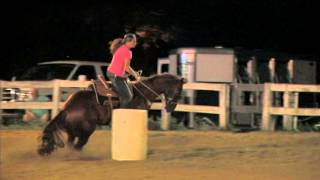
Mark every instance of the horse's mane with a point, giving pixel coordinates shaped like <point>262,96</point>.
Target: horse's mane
<point>167,76</point>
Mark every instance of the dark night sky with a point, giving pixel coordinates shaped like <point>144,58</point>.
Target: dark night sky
<point>47,31</point>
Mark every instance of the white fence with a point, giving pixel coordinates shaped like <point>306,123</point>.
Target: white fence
<point>290,105</point>
<point>222,110</point>
<point>56,104</point>
<point>55,85</point>
<point>291,93</point>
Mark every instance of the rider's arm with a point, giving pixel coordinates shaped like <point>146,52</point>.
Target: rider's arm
<point>130,70</point>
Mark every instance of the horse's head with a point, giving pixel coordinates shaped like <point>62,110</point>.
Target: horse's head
<point>172,95</point>
<point>172,89</point>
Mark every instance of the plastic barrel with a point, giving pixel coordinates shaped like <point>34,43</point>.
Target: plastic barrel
<point>129,134</point>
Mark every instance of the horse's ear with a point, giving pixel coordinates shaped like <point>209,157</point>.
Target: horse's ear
<point>184,80</point>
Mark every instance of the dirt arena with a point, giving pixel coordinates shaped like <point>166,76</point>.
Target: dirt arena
<point>172,155</point>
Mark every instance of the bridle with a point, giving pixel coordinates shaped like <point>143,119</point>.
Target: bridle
<point>169,100</point>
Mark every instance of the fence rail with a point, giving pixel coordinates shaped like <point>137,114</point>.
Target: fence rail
<point>290,103</point>
<point>56,104</point>
<point>222,110</point>
<point>290,97</point>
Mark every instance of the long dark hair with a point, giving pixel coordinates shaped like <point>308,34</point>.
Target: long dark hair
<point>118,42</point>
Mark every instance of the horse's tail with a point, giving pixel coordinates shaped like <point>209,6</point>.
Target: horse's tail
<point>50,138</point>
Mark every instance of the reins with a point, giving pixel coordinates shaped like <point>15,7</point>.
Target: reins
<point>150,89</point>
<point>134,86</point>
<point>95,91</point>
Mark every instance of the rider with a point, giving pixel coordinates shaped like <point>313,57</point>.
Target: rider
<point>120,66</point>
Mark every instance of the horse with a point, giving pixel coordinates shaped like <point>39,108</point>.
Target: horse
<point>84,111</point>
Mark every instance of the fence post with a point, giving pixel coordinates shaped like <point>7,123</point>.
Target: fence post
<point>291,99</point>
<point>295,105</point>
<point>295,95</point>
<point>1,91</point>
<point>224,105</point>
<point>267,103</point>
<point>287,120</point>
<point>55,98</point>
<point>165,116</point>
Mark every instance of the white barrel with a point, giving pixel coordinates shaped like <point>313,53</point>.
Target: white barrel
<point>129,134</point>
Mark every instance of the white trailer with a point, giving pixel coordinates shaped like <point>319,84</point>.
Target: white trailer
<point>240,68</point>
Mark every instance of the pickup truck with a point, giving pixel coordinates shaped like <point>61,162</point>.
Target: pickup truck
<point>63,69</point>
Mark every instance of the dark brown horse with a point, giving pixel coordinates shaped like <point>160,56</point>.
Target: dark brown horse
<point>84,110</point>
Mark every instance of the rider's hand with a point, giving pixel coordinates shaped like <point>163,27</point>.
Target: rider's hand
<point>138,75</point>
<point>138,78</point>
<point>100,76</point>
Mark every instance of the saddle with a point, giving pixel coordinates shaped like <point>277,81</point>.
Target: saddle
<point>103,87</point>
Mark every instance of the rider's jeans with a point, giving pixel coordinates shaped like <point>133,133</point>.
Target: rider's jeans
<point>123,89</point>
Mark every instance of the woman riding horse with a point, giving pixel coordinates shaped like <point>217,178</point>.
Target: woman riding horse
<point>120,65</point>
<point>83,112</point>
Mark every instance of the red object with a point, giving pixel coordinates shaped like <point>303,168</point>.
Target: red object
<point>117,65</point>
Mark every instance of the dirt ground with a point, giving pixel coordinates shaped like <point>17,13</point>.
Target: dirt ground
<point>172,155</point>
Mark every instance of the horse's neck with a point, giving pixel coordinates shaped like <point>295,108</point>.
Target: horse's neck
<point>154,86</point>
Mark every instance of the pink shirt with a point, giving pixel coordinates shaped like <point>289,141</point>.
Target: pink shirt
<point>117,65</point>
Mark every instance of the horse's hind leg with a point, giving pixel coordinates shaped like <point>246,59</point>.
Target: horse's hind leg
<point>71,139</point>
<point>82,140</point>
